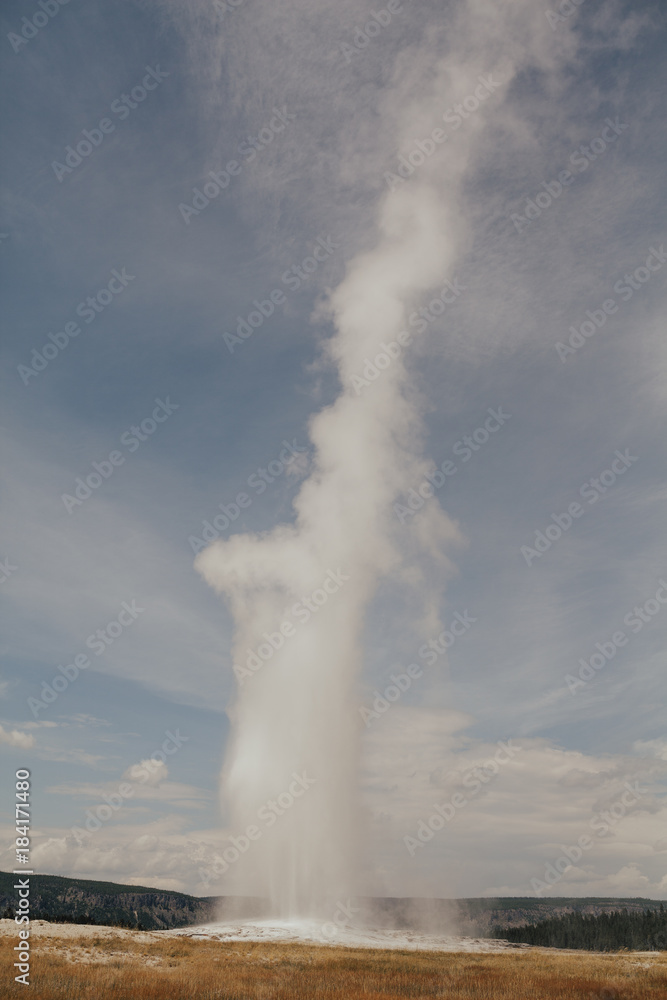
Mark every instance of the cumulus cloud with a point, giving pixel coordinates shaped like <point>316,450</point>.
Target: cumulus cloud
<point>154,852</point>
<point>516,815</point>
<point>516,818</point>
<point>656,747</point>
<point>151,772</point>
<point>15,738</point>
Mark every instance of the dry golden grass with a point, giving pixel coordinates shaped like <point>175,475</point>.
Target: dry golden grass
<point>124,966</point>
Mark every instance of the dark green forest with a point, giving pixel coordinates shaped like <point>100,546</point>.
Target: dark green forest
<point>646,931</point>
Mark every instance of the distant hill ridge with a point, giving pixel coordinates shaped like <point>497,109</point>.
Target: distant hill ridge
<point>57,898</point>
<point>75,900</point>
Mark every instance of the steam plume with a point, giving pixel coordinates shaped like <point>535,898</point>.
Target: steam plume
<point>298,711</point>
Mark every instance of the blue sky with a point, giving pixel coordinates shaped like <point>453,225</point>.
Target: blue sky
<point>346,119</point>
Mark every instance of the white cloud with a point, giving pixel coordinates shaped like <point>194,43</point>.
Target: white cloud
<point>152,772</point>
<point>656,747</point>
<point>70,755</point>
<point>629,880</point>
<point>149,784</point>
<point>155,852</point>
<point>515,821</point>
<point>15,738</point>
<point>510,827</point>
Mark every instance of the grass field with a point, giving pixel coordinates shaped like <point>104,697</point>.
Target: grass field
<point>95,964</point>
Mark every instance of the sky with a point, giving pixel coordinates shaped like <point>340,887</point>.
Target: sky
<point>166,351</point>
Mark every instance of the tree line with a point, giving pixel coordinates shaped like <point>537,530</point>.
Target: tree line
<point>636,931</point>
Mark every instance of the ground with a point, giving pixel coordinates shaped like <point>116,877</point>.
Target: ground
<point>78,962</point>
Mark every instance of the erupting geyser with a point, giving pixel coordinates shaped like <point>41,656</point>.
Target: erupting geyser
<point>296,711</point>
